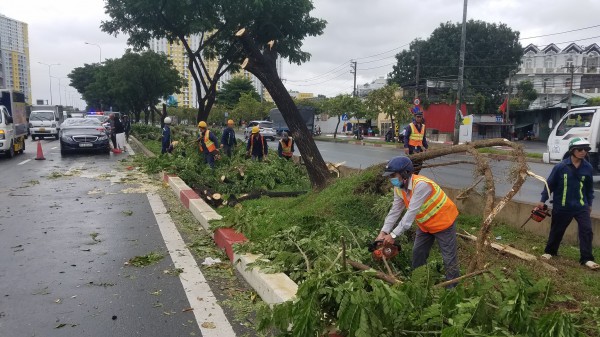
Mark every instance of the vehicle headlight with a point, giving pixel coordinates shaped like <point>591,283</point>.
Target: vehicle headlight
<point>105,137</point>
<point>53,125</point>
<point>2,136</point>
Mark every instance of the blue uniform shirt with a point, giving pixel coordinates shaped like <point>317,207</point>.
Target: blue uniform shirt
<point>572,188</point>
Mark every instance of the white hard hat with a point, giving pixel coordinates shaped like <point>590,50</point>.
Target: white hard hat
<point>167,120</point>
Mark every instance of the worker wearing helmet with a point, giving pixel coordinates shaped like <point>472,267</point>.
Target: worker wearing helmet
<point>228,141</point>
<point>285,149</point>
<point>166,136</point>
<point>571,186</point>
<point>427,205</point>
<point>414,135</point>
<point>207,144</point>
<point>257,146</point>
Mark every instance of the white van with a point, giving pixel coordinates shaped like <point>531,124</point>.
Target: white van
<point>579,122</point>
<point>45,120</point>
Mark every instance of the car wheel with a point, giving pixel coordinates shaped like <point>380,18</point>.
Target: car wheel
<point>11,152</point>
<point>22,146</point>
<point>32,138</point>
<point>56,136</point>
<point>63,152</point>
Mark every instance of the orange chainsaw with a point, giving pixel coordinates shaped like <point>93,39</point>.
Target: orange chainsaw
<point>538,214</point>
<point>380,250</point>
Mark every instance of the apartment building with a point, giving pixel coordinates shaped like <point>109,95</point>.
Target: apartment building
<point>14,56</point>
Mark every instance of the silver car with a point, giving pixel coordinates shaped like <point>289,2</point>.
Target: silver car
<point>266,129</point>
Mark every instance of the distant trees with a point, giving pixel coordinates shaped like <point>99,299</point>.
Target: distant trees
<point>133,83</point>
<point>344,104</point>
<point>492,51</point>
<point>232,90</point>
<point>388,101</point>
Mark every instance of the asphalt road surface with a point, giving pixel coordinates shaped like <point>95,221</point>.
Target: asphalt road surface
<point>67,228</point>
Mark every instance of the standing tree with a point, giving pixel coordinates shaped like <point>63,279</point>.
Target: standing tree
<point>339,105</point>
<point>249,108</point>
<point>285,23</point>
<point>388,101</point>
<point>492,51</point>
<point>230,94</point>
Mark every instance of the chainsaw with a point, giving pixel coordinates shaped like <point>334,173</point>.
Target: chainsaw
<point>380,250</point>
<point>538,214</point>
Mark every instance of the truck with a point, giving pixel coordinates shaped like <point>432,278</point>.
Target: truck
<point>579,122</point>
<point>306,112</point>
<point>13,122</point>
<point>45,121</point>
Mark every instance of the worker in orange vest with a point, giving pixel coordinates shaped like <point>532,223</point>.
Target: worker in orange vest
<point>428,206</point>
<point>207,144</point>
<point>257,146</point>
<point>414,136</point>
<point>286,146</point>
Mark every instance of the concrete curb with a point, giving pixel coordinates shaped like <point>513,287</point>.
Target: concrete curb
<point>272,288</point>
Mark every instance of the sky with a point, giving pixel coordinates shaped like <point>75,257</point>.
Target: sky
<point>369,32</point>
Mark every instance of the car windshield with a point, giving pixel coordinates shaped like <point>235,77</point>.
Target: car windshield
<point>265,124</point>
<point>42,115</point>
<point>101,118</point>
<point>578,120</point>
<point>81,122</point>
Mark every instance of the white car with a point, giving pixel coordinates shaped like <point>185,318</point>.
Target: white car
<point>266,129</point>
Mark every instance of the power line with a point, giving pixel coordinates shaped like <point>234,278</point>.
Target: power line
<point>567,31</point>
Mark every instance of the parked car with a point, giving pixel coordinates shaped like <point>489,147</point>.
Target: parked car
<point>83,135</point>
<point>266,129</point>
<point>103,120</point>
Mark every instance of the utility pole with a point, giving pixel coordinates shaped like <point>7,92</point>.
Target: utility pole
<point>417,72</point>
<point>353,71</point>
<point>510,129</point>
<point>461,72</point>
<point>572,70</point>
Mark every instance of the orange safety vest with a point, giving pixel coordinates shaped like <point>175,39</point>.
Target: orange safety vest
<point>416,137</point>
<point>262,143</point>
<point>286,149</point>
<point>209,143</point>
<point>437,213</point>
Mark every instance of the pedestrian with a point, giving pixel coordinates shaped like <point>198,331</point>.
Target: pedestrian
<point>119,134</point>
<point>389,135</point>
<point>285,148</point>
<point>228,140</point>
<point>207,144</point>
<point>370,132</point>
<point>427,205</point>
<point>414,136</point>
<point>571,185</point>
<point>113,135</point>
<point>127,127</point>
<point>257,147</point>
<point>166,136</point>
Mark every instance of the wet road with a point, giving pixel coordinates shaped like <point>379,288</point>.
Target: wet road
<point>67,228</point>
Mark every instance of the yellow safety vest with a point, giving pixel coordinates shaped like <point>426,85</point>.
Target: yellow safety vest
<point>286,149</point>
<point>416,137</point>
<point>437,213</point>
<point>209,143</point>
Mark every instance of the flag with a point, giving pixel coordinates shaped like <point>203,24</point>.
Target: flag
<point>503,106</point>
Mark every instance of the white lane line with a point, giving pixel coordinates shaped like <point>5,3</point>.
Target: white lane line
<point>201,298</point>
<point>54,148</point>
<point>24,161</point>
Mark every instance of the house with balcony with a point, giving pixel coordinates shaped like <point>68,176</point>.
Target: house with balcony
<point>554,71</point>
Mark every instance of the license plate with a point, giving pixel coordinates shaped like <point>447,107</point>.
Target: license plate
<point>85,145</point>
<point>42,129</point>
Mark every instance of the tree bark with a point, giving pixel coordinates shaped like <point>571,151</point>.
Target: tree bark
<point>263,66</point>
<point>336,127</point>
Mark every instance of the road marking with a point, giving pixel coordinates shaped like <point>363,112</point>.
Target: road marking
<point>201,298</point>
<point>23,162</point>
<point>54,148</point>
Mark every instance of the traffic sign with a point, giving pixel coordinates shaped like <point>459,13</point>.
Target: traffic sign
<point>345,117</point>
<point>417,101</point>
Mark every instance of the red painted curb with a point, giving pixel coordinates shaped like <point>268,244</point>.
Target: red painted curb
<point>166,177</point>
<point>226,237</point>
<point>186,195</point>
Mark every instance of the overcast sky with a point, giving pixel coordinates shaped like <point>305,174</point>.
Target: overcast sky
<point>370,32</point>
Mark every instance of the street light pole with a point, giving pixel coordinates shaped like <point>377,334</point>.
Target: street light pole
<point>50,77</point>
<point>59,94</point>
<point>99,48</point>
<point>461,70</point>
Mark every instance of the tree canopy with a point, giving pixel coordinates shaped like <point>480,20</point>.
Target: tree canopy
<point>388,101</point>
<point>492,52</point>
<point>133,83</point>
<point>230,93</point>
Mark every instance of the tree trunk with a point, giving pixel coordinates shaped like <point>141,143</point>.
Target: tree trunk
<point>336,127</point>
<point>164,115</point>
<point>146,115</point>
<point>262,65</point>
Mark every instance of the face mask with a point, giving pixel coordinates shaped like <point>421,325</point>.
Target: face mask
<point>396,182</point>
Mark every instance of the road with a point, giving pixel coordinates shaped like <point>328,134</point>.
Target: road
<point>67,229</point>
<point>455,176</point>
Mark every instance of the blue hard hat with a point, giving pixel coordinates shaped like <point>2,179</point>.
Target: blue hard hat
<point>401,165</point>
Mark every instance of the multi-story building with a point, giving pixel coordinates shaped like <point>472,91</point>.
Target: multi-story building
<point>14,56</point>
<point>555,71</point>
<point>188,96</point>
<point>365,89</point>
